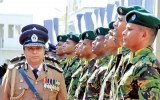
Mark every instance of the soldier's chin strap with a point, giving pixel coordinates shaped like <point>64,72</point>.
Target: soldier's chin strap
<point>29,84</point>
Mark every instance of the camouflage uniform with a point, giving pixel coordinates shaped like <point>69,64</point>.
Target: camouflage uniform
<point>105,87</point>
<point>85,74</point>
<point>95,81</point>
<point>74,80</point>
<point>112,68</point>
<point>141,77</point>
<point>63,62</point>
<point>121,62</point>
<point>70,68</point>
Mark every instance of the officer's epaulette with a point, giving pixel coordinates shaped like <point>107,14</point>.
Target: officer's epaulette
<point>11,66</point>
<point>51,59</point>
<point>17,58</point>
<point>54,67</point>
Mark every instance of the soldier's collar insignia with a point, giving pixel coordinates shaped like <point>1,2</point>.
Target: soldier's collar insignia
<point>87,35</point>
<point>34,28</point>
<point>34,38</point>
<point>60,38</point>
<point>99,31</point>
<point>134,17</point>
<point>120,10</point>
<point>71,36</point>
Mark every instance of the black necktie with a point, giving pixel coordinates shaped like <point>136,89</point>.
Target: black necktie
<point>35,73</point>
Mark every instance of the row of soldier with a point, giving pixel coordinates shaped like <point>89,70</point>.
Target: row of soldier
<point>115,63</point>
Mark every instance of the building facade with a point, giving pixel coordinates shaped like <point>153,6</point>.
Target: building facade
<point>10,30</point>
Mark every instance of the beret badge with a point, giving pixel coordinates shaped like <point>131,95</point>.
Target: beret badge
<point>86,34</point>
<point>71,36</point>
<point>134,17</point>
<point>99,31</point>
<point>120,10</point>
<point>60,38</point>
<point>34,38</point>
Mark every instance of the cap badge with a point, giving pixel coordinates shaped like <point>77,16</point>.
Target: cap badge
<point>86,34</point>
<point>60,38</point>
<point>98,31</point>
<point>34,38</point>
<point>134,17</point>
<point>120,10</point>
<point>34,28</point>
<point>70,36</point>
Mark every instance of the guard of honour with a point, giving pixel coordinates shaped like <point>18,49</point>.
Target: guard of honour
<point>114,63</point>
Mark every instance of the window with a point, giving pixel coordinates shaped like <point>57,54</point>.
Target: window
<point>14,31</point>
<point>17,31</point>
<point>1,35</point>
<point>10,31</point>
<point>1,30</point>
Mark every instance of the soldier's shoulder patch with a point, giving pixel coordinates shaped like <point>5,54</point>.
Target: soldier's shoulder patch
<point>51,59</point>
<point>17,58</point>
<point>55,68</point>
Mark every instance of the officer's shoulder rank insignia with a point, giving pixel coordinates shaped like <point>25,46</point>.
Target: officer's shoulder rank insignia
<point>51,59</point>
<point>55,68</point>
<point>11,66</point>
<point>17,58</point>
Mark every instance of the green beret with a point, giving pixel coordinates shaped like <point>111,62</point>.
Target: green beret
<point>110,25</point>
<point>88,35</point>
<point>73,36</point>
<point>123,10</point>
<point>101,31</point>
<point>143,19</point>
<point>61,38</point>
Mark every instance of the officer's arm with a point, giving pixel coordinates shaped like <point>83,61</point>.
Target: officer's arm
<point>62,94</point>
<point>6,86</point>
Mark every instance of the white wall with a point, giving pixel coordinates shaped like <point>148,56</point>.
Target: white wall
<point>9,54</point>
<point>11,46</point>
<point>8,19</point>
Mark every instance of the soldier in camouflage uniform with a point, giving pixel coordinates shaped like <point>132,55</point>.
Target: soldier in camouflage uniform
<point>142,74</point>
<point>73,60</point>
<point>123,53</point>
<point>75,76</point>
<point>103,57</point>
<point>87,70</point>
<point>111,46</point>
<point>77,49</point>
<point>61,55</point>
